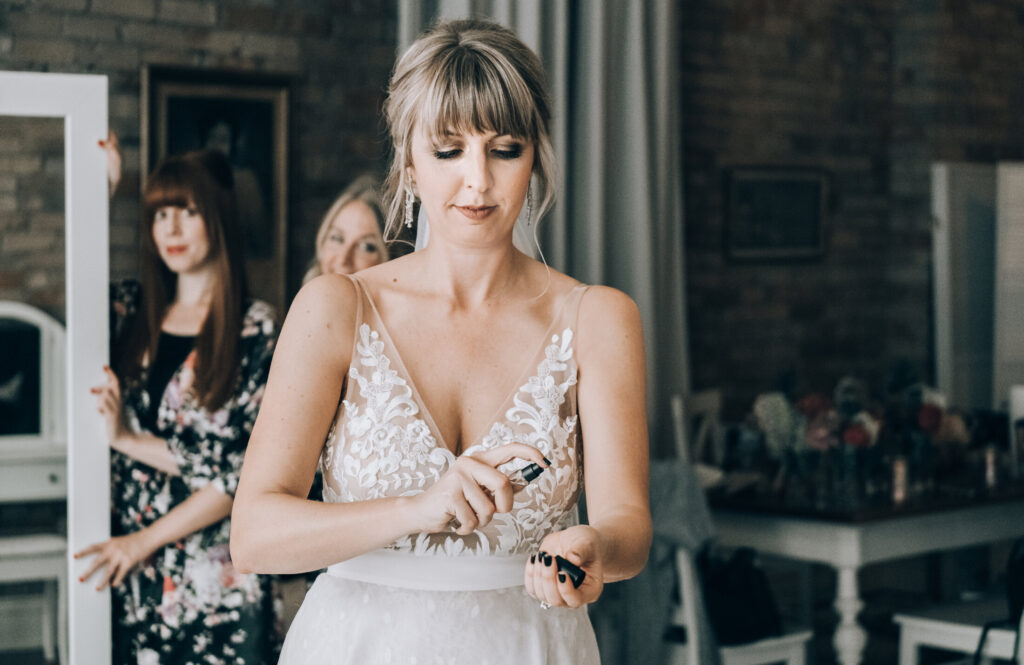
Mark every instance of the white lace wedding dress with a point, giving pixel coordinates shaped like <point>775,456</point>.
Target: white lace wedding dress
<point>442,598</point>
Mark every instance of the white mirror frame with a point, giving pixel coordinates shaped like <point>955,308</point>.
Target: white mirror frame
<point>81,100</point>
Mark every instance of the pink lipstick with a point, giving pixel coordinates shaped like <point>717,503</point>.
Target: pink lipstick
<point>476,212</point>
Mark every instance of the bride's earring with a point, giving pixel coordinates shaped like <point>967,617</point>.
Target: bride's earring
<point>409,199</point>
<point>529,205</point>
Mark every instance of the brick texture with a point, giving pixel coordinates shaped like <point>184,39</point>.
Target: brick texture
<point>872,92</point>
<point>32,213</point>
<point>337,56</point>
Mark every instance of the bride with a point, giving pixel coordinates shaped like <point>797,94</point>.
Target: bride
<point>455,400</point>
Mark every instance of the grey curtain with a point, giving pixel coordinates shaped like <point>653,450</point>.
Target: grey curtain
<point>612,68</point>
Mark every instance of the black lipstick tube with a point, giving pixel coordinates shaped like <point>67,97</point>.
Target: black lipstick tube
<point>575,573</point>
<point>524,476</point>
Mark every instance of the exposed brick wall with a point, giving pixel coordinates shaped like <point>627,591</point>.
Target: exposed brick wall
<point>958,92</point>
<point>338,55</point>
<point>790,84</point>
<point>32,213</point>
<point>873,92</point>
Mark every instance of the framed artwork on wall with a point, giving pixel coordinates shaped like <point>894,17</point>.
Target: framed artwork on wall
<point>245,116</point>
<point>775,213</point>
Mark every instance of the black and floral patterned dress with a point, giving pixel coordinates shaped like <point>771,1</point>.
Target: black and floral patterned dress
<point>187,604</point>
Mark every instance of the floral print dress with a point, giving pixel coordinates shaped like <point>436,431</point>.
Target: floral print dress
<point>187,603</point>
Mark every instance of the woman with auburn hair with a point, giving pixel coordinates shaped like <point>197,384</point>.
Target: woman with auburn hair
<point>351,235</point>
<point>455,399</point>
<point>190,358</point>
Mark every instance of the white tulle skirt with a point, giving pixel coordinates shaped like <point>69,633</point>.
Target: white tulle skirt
<point>346,619</point>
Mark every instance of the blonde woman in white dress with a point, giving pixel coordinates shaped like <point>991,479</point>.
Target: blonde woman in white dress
<point>425,385</point>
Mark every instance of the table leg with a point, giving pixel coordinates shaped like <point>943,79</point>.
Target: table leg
<point>850,638</point>
<point>908,648</point>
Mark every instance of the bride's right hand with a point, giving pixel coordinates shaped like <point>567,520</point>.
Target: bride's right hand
<point>471,491</point>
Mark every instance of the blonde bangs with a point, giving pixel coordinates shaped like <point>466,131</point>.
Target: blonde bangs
<point>465,77</point>
<point>470,94</point>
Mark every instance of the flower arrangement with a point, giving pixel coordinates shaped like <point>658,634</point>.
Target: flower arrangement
<point>845,450</point>
<point>824,457</point>
<point>841,450</point>
<point>816,421</point>
<point>930,437</point>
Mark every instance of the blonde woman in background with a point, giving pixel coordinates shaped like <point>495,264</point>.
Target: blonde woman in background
<point>350,238</point>
<point>351,235</point>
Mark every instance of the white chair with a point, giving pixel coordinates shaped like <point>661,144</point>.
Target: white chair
<point>696,419</point>
<point>33,468</point>
<point>956,627</point>
<point>41,558</point>
<point>790,648</point>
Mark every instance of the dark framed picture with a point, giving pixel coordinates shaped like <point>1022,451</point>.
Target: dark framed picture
<point>245,116</point>
<point>774,213</point>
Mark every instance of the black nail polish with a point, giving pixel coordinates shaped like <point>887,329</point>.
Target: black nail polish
<point>561,577</point>
<point>547,559</point>
<point>547,461</point>
<point>533,558</point>
<point>575,573</point>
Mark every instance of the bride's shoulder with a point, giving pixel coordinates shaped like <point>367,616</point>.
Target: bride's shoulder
<point>596,301</point>
<point>324,300</point>
<point>607,308</point>
<point>383,278</point>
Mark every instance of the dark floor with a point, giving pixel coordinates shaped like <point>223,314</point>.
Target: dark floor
<point>34,657</point>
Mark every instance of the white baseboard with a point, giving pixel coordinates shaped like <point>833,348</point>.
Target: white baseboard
<point>21,622</point>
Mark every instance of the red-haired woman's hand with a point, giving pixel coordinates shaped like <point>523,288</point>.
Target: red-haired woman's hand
<point>117,557</point>
<point>108,403</point>
<point>113,149</point>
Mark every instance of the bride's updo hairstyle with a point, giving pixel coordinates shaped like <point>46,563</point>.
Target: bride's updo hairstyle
<point>467,76</point>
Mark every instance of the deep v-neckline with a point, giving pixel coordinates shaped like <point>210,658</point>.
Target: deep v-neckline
<point>530,365</point>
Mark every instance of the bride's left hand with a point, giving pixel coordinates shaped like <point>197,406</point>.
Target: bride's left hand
<point>580,545</point>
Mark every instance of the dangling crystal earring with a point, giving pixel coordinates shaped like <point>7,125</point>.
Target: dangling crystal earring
<point>529,205</point>
<point>409,198</point>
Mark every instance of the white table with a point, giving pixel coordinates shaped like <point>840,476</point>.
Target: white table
<point>41,557</point>
<point>848,546</point>
<point>28,475</point>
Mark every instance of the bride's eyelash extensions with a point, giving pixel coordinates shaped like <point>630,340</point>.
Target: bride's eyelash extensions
<point>514,151</point>
<point>507,151</point>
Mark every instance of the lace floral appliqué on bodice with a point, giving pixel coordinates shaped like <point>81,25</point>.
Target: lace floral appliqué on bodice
<point>381,445</point>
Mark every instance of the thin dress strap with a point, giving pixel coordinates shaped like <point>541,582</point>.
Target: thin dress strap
<point>361,297</point>
<point>574,307</point>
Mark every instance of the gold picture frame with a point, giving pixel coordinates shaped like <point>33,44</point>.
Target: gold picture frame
<point>245,115</point>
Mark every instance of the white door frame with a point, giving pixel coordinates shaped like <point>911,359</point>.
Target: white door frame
<point>81,100</point>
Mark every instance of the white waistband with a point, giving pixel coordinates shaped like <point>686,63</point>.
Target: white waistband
<point>433,572</point>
